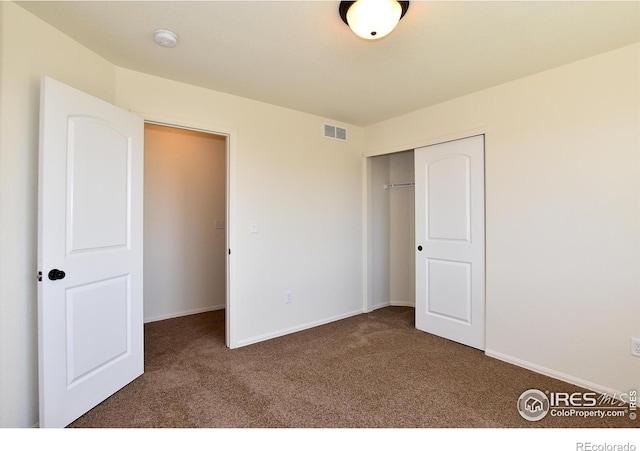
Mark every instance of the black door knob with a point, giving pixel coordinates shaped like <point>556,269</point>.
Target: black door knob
<point>56,274</point>
<point>419,248</point>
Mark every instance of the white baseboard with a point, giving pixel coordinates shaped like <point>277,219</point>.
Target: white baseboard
<point>393,304</point>
<point>402,304</point>
<point>290,330</point>
<point>183,313</point>
<point>552,373</point>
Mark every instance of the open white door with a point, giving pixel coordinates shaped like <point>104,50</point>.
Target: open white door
<point>90,322</point>
<point>450,279</point>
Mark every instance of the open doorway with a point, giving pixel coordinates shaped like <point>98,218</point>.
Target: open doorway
<point>391,230</point>
<point>185,204</point>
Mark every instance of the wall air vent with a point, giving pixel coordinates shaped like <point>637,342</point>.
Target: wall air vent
<point>335,132</point>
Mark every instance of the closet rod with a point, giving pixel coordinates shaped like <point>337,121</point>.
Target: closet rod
<point>399,185</point>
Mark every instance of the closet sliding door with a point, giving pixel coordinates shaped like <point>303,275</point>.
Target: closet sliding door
<point>450,266</point>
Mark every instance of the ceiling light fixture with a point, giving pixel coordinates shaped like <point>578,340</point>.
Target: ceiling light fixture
<point>165,38</point>
<point>372,19</point>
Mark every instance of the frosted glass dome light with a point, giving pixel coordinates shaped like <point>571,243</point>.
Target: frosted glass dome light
<point>373,19</point>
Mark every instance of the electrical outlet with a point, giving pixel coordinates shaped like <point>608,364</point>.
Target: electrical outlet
<point>635,347</point>
<point>288,297</point>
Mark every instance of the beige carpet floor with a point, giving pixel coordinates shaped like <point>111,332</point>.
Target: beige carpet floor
<point>373,370</point>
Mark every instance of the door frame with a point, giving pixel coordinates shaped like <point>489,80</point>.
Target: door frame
<point>367,207</point>
<point>230,220</point>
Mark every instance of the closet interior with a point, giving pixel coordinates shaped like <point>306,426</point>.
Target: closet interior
<point>391,209</point>
<point>184,222</point>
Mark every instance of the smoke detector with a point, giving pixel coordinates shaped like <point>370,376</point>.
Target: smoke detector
<point>165,38</point>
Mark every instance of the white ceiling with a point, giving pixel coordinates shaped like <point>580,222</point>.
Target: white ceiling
<point>300,55</point>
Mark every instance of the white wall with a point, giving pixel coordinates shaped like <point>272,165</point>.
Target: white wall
<point>184,196</point>
<point>302,190</point>
<point>29,50</point>
<point>562,213</point>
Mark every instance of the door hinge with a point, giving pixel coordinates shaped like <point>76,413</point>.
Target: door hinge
<point>39,276</point>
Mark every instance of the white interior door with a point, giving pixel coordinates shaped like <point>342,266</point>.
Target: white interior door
<point>90,322</point>
<point>450,240</point>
